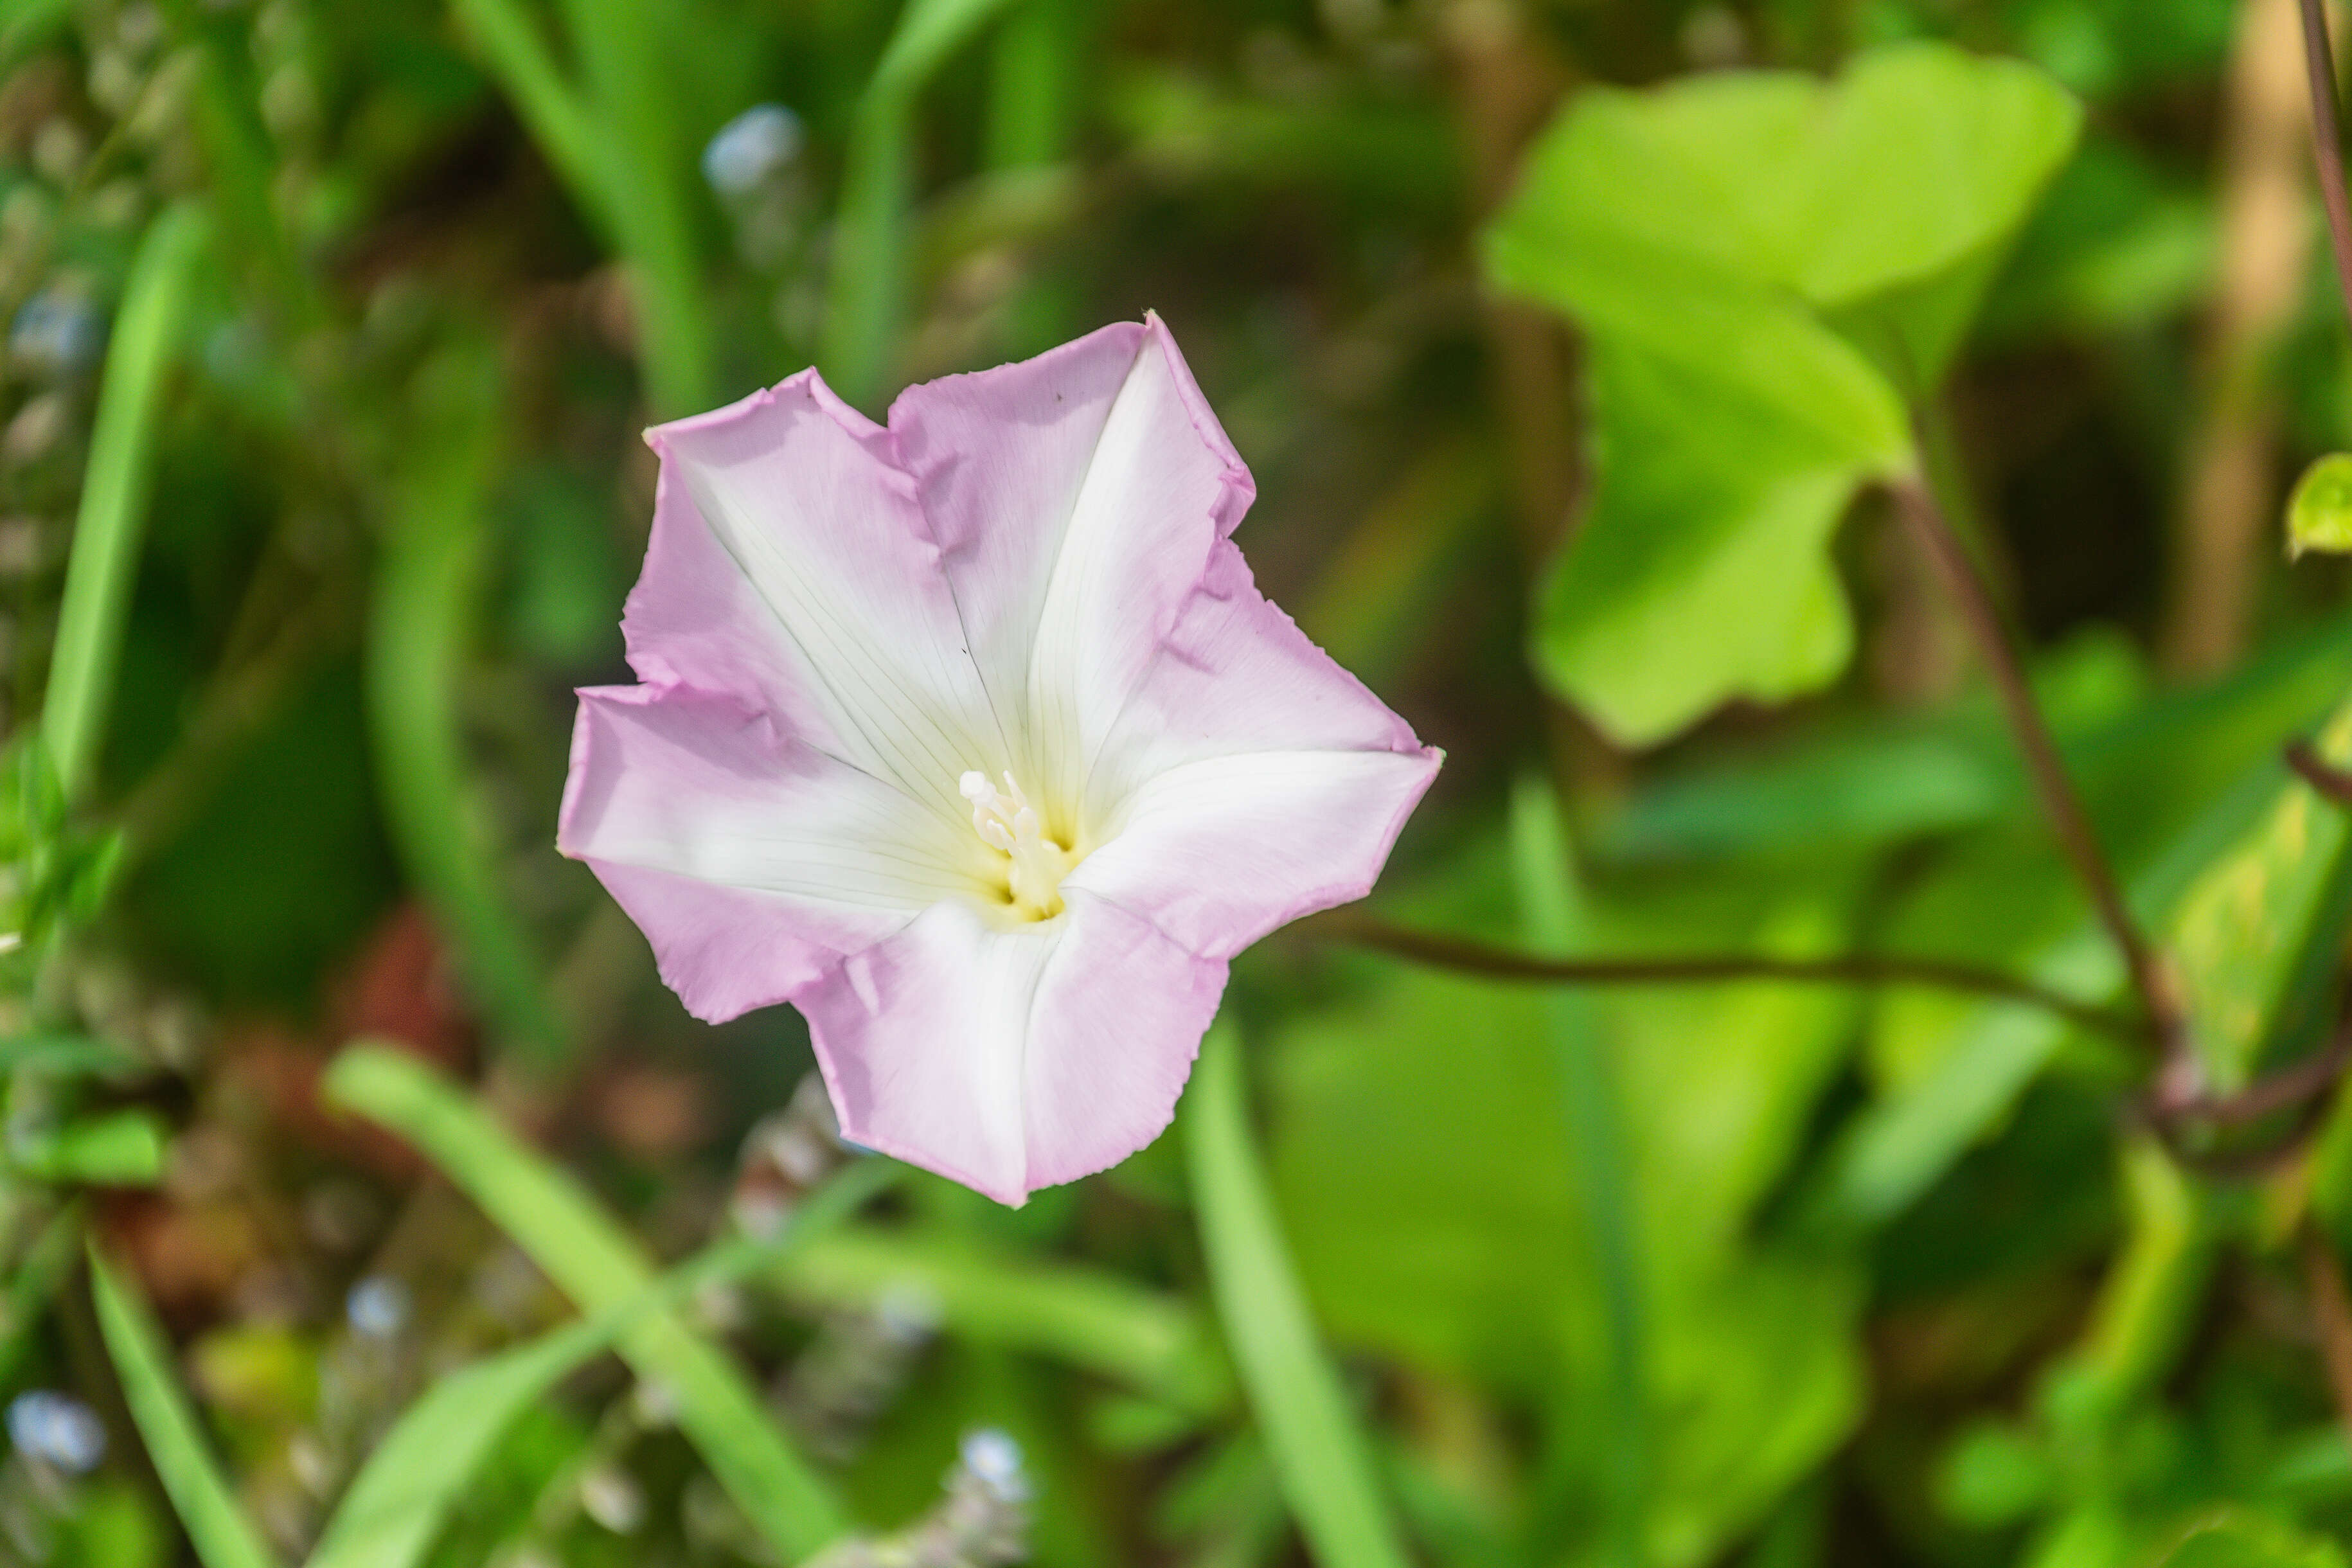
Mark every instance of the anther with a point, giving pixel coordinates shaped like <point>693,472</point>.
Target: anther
<point>1006,821</point>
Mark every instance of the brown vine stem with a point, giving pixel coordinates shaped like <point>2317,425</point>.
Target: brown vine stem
<point>2330,782</point>
<point>2303,1088</point>
<point>2326,143</point>
<point>1468,957</point>
<point>2059,801</point>
<point>2297,1085</point>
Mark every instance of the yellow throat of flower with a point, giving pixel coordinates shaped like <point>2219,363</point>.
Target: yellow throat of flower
<point>1033,862</point>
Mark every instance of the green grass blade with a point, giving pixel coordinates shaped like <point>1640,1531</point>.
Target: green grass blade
<point>427,588</point>
<point>217,1528</point>
<point>613,142</point>
<point>114,494</point>
<point>596,1264</point>
<point>507,42</point>
<point>1320,1454</point>
<point>396,1506</point>
<point>1084,1318</point>
<point>240,161</point>
<point>628,72</point>
<point>1033,85</point>
<point>30,1289</point>
<point>865,292</point>
<point>1598,1164</point>
<point>2148,1303</point>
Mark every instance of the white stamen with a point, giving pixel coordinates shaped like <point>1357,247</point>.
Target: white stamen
<point>1007,822</point>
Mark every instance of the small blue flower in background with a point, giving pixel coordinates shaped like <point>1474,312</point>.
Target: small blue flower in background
<point>994,1459</point>
<point>750,147</point>
<point>56,1429</point>
<point>377,1307</point>
<point>54,333</point>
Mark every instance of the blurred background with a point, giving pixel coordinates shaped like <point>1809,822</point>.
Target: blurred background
<point>1569,351</point>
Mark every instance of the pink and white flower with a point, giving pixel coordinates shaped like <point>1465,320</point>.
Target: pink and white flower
<point>970,736</point>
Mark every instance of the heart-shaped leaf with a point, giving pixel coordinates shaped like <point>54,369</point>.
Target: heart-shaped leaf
<point>1769,267</point>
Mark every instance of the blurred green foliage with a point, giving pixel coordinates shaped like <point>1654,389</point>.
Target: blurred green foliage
<point>1573,344</point>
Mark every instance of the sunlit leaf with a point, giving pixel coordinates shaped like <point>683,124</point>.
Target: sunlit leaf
<point>1767,266</point>
<point>2319,512</point>
<point>2241,935</point>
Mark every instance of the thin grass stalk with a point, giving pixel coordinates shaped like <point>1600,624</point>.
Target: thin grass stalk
<point>1600,1169</point>
<point>201,1493</point>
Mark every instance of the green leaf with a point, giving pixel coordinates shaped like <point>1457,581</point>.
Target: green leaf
<point>1993,1475</point>
<point>2319,513</point>
<point>555,112</point>
<point>121,1148</point>
<point>113,515</point>
<point>1034,84</point>
<point>115,1525</point>
<point>2242,934</point>
<point>1923,157</point>
<point>1964,1063</point>
<point>1724,527</point>
<point>1320,1454</point>
<point>2172,786</point>
<point>646,177</point>
<point>39,1273</point>
<point>596,1264</point>
<point>1409,1178</point>
<point>396,1507</point>
<point>1767,265</point>
<point>1840,788</point>
<point>1417,1144</point>
<point>217,1528</point>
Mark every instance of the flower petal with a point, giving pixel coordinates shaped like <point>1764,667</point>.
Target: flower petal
<point>1235,675</point>
<point>752,862</point>
<point>1075,498</point>
<point>726,950</point>
<point>1012,1059</point>
<point>825,596</point>
<point>1217,853</point>
<point>698,784</point>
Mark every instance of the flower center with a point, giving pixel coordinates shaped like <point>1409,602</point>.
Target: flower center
<point>1007,822</point>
